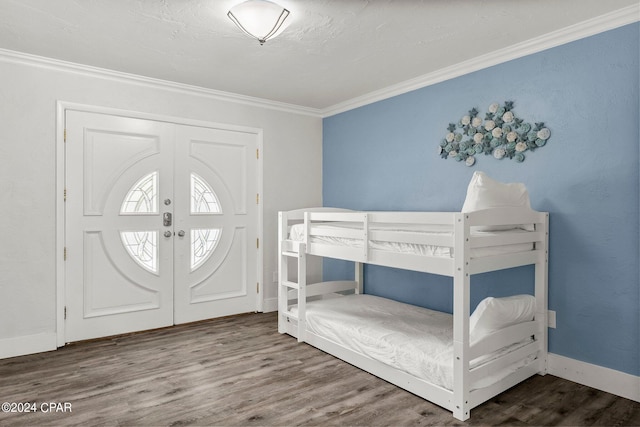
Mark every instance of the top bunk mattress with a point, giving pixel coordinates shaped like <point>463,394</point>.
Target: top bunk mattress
<point>297,233</point>
<point>412,339</point>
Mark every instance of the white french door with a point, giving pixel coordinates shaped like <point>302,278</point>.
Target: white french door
<point>160,224</point>
<point>216,209</point>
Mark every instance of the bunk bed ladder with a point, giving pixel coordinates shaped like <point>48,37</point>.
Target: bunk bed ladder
<point>285,285</point>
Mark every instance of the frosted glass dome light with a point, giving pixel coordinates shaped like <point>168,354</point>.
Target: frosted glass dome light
<point>260,19</point>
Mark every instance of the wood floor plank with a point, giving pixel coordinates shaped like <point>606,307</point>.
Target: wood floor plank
<point>238,371</point>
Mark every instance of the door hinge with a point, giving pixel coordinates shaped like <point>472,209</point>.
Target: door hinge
<point>65,135</point>
<point>65,312</point>
<point>257,153</point>
<point>257,287</point>
<point>65,194</point>
<point>257,198</point>
<point>257,243</point>
<point>65,253</point>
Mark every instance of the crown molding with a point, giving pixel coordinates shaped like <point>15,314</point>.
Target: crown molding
<point>590,27</point>
<point>609,21</point>
<point>96,72</point>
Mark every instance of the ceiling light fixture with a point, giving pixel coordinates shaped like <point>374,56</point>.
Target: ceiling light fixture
<point>260,19</point>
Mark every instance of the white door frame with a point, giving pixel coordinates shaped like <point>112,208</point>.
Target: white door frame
<point>61,108</point>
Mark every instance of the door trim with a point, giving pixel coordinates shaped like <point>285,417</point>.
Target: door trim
<point>61,108</point>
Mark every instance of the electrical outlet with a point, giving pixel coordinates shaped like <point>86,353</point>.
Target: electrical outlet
<point>551,319</point>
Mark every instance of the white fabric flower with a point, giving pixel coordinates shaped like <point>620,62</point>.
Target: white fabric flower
<point>494,107</point>
<point>496,132</point>
<point>470,161</point>
<point>489,124</point>
<point>477,138</point>
<point>499,153</point>
<point>476,122</point>
<point>453,153</point>
<point>465,120</point>
<point>450,137</point>
<point>512,136</point>
<point>507,117</point>
<point>520,147</point>
<point>544,133</point>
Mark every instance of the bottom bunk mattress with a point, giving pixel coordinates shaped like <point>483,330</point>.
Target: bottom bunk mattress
<point>412,339</point>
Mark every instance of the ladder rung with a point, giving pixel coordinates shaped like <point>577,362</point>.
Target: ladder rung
<point>289,284</point>
<point>291,254</point>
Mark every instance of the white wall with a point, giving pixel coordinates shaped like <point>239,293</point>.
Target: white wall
<point>29,92</point>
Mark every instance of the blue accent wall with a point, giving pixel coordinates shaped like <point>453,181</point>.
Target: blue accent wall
<point>384,156</point>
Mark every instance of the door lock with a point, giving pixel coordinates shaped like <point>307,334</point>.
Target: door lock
<point>166,219</point>
<point>181,233</point>
<point>167,234</point>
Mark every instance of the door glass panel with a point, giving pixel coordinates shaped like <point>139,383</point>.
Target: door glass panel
<point>203,243</point>
<point>142,247</point>
<point>142,198</point>
<point>203,199</point>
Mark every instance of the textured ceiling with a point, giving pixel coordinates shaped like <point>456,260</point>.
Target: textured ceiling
<point>331,51</point>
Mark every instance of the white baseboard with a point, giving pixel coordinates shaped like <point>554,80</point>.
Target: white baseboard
<point>28,344</point>
<point>598,377</point>
<point>269,305</point>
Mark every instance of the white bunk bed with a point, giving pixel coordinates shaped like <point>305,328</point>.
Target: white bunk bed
<point>454,361</point>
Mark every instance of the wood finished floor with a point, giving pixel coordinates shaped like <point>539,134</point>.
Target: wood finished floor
<point>238,371</point>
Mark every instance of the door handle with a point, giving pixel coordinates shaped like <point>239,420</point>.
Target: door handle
<point>166,219</point>
<point>167,234</point>
<point>181,233</point>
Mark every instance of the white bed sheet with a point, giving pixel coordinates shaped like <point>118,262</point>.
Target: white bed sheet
<point>412,339</point>
<point>296,233</point>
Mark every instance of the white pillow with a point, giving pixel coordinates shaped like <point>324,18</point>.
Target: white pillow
<point>486,193</point>
<point>493,314</point>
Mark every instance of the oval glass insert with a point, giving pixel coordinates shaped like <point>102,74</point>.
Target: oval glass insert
<point>142,246</point>
<point>142,198</point>
<point>203,198</point>
<point>203,243</point>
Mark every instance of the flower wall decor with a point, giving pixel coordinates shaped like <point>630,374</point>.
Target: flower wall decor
<point>500,134</point>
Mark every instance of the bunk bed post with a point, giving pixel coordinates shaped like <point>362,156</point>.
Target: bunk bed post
<point>359,276</point>
<point>461,309</point>
<point>282,272</point>
<point>541,283</point>
<point>302,291</point>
